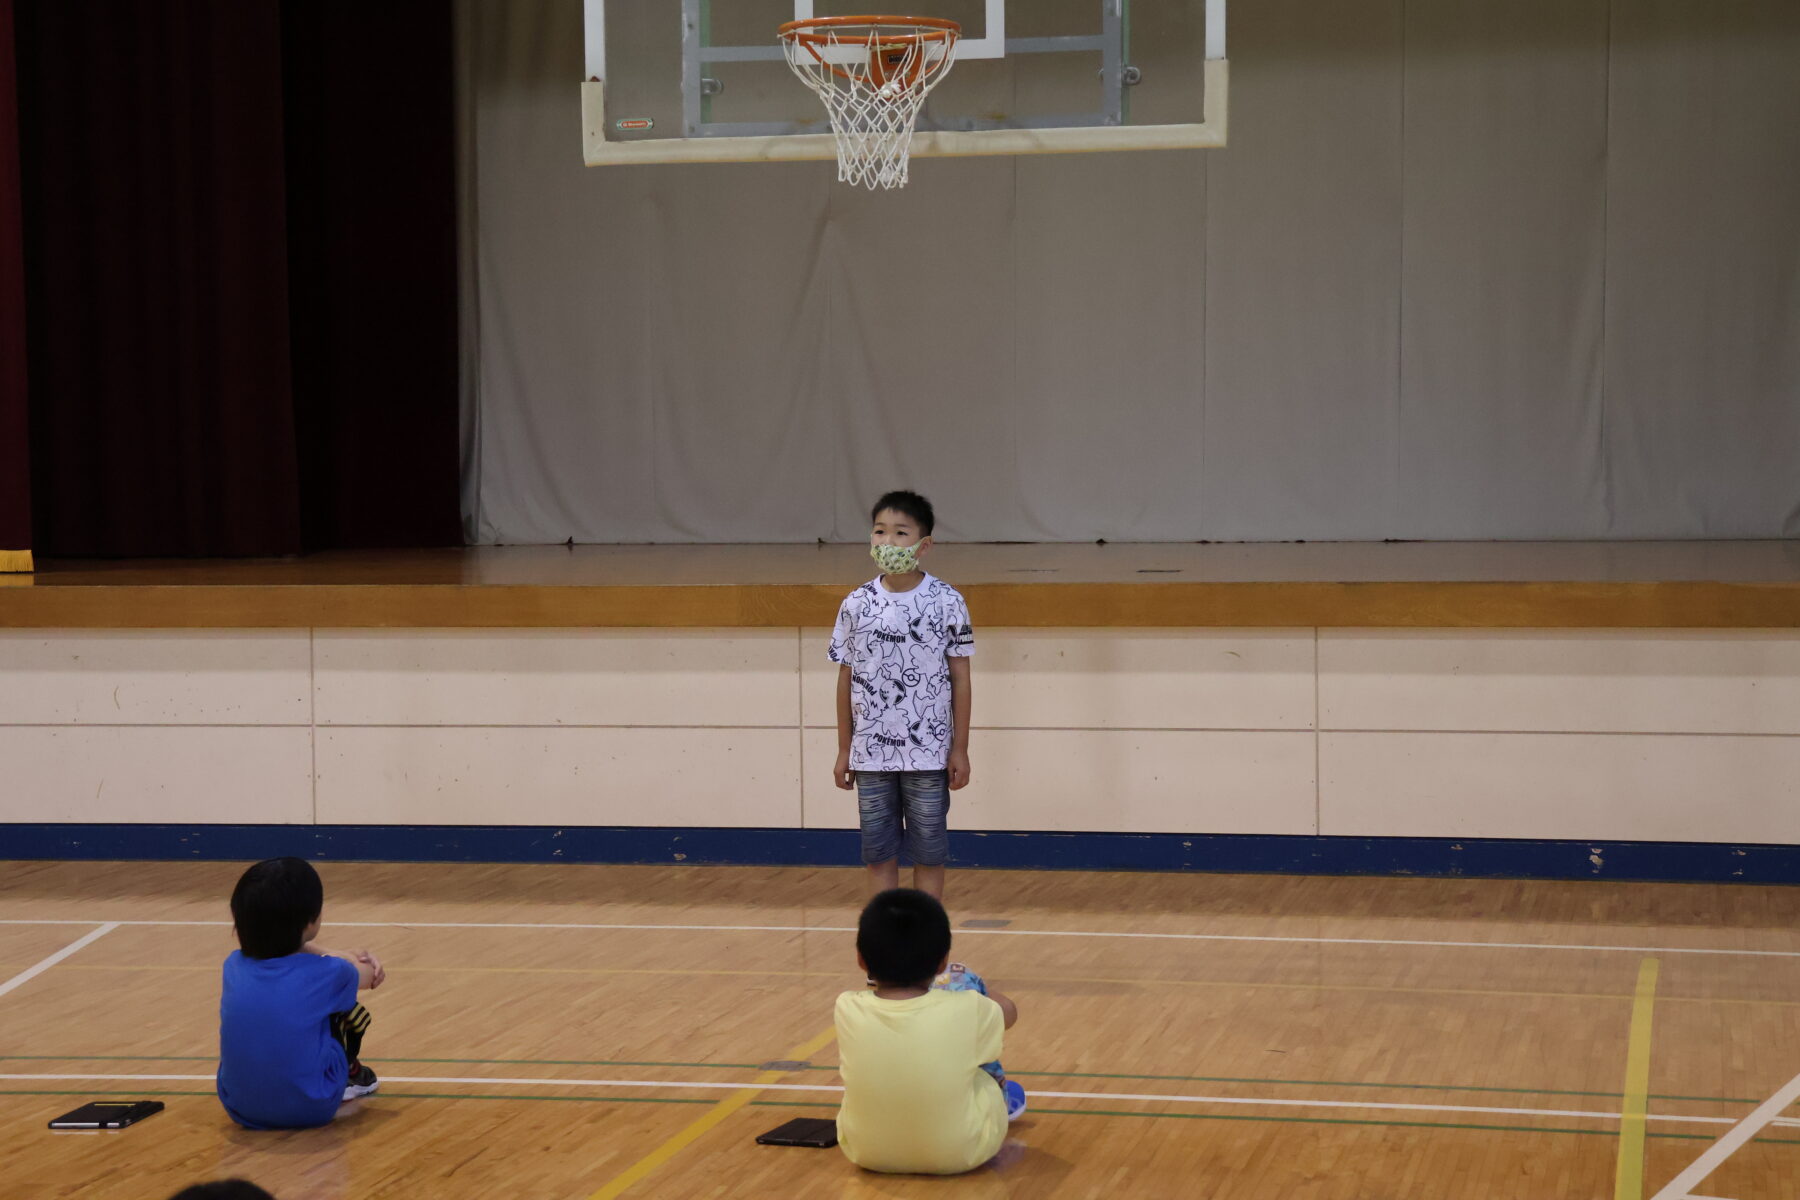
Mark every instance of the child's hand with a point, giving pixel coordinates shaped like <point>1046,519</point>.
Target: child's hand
<point>379,975</point>
<point>1009,1012</point>
<point>841,774</point>
<point>959,769</point>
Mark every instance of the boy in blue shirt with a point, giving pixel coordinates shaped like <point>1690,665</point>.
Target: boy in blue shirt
<point>903,643</point>
<point>290,1029</point>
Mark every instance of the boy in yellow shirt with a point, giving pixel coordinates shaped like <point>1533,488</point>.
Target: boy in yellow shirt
<point>923,1088</point>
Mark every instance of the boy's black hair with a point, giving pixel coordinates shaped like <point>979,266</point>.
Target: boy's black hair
<point>224,1189</point>
<point>272,905</point>
<point>909,504</point>
<point>903,937</point>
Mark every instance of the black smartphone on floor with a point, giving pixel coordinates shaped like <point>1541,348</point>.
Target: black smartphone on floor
<point>817,1132</point>
<point>108,1114</point>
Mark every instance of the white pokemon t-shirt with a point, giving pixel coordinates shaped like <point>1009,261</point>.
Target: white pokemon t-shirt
<point>898,646</point>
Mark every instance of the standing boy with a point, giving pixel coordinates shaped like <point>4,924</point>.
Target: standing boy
<point>903,643</point>
<point>290,1028</point>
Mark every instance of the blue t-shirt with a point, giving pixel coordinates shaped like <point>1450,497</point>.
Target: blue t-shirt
<point>279,1066</point>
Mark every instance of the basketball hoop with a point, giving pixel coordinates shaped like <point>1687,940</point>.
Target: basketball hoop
<point>873,74</point>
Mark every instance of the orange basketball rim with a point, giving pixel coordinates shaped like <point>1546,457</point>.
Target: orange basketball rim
<point>898,48</point>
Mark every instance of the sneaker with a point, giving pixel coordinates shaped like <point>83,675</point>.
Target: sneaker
<point>1015,1099</point>
<point>361,1082</point>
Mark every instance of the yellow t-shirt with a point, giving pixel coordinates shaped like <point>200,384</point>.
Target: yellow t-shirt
<point>915,1097</point>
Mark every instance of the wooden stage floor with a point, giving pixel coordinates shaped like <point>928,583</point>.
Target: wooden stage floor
<point>1425,584</point>
<point>581,1032</point>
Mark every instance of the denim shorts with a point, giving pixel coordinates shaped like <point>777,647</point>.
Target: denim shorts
<point>911,801</point>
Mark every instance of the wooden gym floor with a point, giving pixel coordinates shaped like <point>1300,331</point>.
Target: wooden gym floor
<point>591,1031</point>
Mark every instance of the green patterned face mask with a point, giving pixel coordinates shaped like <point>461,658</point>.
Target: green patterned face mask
<point>895,560</point>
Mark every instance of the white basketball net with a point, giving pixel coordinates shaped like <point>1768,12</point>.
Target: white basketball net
<point>873,78</point>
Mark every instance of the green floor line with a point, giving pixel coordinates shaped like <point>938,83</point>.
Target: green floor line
<point>565,1099</point>
<point>1058,1112</point>
<point>618,1062</point>
<point>101,1092</point>
<point>1099,1112</point>
<point>1345,1083</point>
<point>498,1062</point>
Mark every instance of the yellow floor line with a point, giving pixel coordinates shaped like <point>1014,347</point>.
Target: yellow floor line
<point>1628,1177</point>
<point>717,1113</point>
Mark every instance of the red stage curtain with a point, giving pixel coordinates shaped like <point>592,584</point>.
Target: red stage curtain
<point>240,275</point>
<point>15,441</point>
<point>162,409</point>
<point>371,158</point>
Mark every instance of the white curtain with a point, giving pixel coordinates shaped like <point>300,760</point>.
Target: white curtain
<point>1467,270</point>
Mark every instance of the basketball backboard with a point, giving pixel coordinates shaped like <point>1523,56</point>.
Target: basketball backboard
<point>705,80</point>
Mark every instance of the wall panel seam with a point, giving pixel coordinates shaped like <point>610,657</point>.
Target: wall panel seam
<point>1318,735</point>
<point>1123,728</point>
<point>1607,733</point>
<point>155,725</point>
<point>800,715</point>
<point>531,725</point>
<point>312,733</point>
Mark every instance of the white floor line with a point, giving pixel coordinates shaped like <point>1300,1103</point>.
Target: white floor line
<point>1681,1187</point>
<point>1157,1097</point>
<point>1390,1107</point>
<point>36,969</point>
<point>1074,933</point>
<point>1236,937</point>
